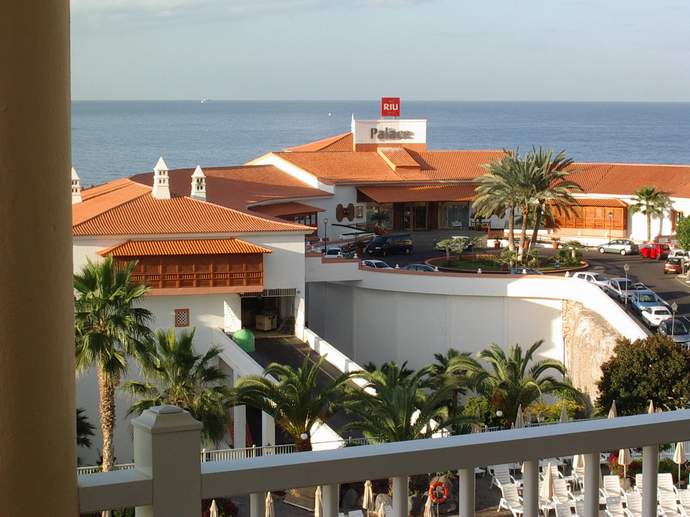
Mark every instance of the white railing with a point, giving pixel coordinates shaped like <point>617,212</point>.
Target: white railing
<point>94,469</point>
<point>167,442</point>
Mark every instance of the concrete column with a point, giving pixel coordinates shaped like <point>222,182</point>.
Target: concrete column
<point>466,495</point>
<point>167,441</point>
<point>592,475</point>
<point>650,469</point>
<point>268,430</point>
<point>239,421</point>
<point>530,488</point>
<point>331,503</point>
<point>400,496</point>
<point>257,504</point>
<point>37,413</point>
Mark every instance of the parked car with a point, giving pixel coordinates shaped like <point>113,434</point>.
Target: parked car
<point>678,253</point>
<point>655,250</point>
<point>420,267</point>
<point>525,271</point>
<point>594,278</point>
<point>390,244</point>
<point>653,316</point>
<point>640,300</point>
<point>376,264</point>
<point>673,265</point>
<point>620,246</point>
<point>333,252</point>
<point>621,288</point>
<point>676,329</point>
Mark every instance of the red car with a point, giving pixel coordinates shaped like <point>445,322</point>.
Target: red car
<point>654,250</point>
<point>674,266</point>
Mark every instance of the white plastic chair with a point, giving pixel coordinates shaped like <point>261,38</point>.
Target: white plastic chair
<point>563,510</point>
<point>612,486</point>
<point>633,503</point>
<point>639,485</point>
<point>580,508</point>
<point>665,483</point>
<point>562,493</point>
<point>511,501</point>
<point>614,507</point>
<point>668,504</point>
<point>501,476</point>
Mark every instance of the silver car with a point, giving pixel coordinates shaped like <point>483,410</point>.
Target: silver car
<point>620,246</point>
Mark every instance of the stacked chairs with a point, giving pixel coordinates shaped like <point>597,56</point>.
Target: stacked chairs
<point>684,498</point>
<point>562,493</point>
<point>667,504</point>
<point>563,510</point>
<point>612,486</point>
<point>501,476</point>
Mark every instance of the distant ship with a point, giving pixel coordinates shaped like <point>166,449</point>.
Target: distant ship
<point>204,100</point>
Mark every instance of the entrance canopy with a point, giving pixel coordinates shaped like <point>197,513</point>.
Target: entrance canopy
<point>428,193</point>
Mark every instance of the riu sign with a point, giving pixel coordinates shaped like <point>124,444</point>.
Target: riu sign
<point>390,106</point>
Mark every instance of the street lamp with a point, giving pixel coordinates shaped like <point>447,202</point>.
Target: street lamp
<point>626,267</point>
<point>610,225</point>
<point>325,233</point>
<point>674,309</point>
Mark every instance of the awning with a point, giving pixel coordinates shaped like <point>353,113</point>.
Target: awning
<point>183,247</point>
<point>285,209</point>
<point>607,203</point>
<point>410,194</point>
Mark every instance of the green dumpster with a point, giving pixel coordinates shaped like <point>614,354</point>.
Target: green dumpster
<point>244,338</point>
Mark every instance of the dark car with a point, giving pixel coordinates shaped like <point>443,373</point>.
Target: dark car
<point>673,265</point>
<point>524,271</point>
<point>420,267</point>
<point>392,244</point>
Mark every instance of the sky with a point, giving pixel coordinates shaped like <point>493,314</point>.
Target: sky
<point>531,50</point>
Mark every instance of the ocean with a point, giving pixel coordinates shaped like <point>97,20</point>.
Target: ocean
<point>120,138</point>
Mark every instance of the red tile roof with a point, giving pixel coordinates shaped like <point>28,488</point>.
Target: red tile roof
<point>289,208</point>
<point>97,200</point>
<point>401,194</point>
<point>342,142</point>
<point>183,247</point>
<point>624,179</point>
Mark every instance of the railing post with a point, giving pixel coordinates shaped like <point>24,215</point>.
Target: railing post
<point>592,475</point>
<point>650,469</point>
<point>530,485</point>
<point>167,441</point>
<point>466,495</point>
<point>400,494</point>
<point>330,495</point>
<point>257,504</point>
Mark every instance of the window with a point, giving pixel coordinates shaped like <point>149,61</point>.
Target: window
<point>306,219</point>
<point>454,215</point>
<point>182,317</point>
<point>380,215</point>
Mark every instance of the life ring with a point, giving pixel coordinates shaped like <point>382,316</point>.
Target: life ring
<point>438,492</point>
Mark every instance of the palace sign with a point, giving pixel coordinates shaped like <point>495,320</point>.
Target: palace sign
<point>389,131</point>
<point>390,106</point>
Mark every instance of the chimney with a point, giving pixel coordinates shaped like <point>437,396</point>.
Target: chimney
<point>161,187</point>
<point>76,188</point>
<point>198,184</point>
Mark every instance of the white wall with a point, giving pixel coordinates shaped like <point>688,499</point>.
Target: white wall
<point>344,195</point>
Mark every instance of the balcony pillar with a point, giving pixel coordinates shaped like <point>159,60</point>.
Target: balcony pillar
<point>466,495</point>
<point>257,504</point>
<point>400,496</point>
<point>330,494</point>
<point>37,413</point>
<point>530,486</point>
<point>239,422</point>
<point>167,441</point>
<point>592,475</point>
<point>650,469</point>
<point>268,431</point>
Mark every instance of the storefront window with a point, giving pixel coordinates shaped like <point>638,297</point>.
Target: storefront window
<point>454,215</point>
<point>380,214</point>
<point>306,219</point>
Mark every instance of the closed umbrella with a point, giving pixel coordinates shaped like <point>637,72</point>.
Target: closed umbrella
<point>519,419</point>
<point>679,457</point>
<point>318,503</point>
<point>564,413</point>
<point>368,497</point>
<point>213,511</point>
<point>650,409</point>
<point>547,485</point>
<point>612,412</point>
<point>625,459</point>
<point>270,509</point>
<point>427,507</point>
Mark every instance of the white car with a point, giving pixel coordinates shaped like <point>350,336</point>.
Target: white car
<point>653,316</point>
<point>375,264</point>
<point>678,253</point>
<point>333,252</point>
<point>594,278</point>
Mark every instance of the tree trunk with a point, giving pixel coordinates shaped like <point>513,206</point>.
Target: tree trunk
<point>649,227</point>
<point>302,445</point>
<point>537,223</point>
<point>511,229</point>
<point>523,234</point>
<point>106,390</point>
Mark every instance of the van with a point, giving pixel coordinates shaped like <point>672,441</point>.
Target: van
<point>391,244</point>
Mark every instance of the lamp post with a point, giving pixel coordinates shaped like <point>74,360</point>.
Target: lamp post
<point>610,225</point>
<point>674,309</point>
<point>626,268</point>
<point>325,233</point>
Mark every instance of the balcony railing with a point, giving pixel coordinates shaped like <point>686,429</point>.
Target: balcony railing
<point>166,441</point>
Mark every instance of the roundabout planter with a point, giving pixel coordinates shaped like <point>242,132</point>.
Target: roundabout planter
<point>437,261</point>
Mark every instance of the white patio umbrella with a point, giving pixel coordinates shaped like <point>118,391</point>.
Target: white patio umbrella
<point>612,412</point>
<point>679,457</point>
<point>519,418</point>
<point>270,508</point>
<point>318,503</point>
<point>578,462</point>
<point>427,508</point>
<point>650,409</point>
<point>213,511</point>
<point>547,485</point>
<point>564,413</point>
<point>368,497</point>
<point>625,459</point>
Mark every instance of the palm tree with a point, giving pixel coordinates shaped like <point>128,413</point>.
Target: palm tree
<point>551,188</point>
<point>651,203</point>
<point>109,328</point>
<point>457,371</point>
<point>509,380</point>
<point>178,376</point>
<point>396,406</point>
<point>84,429</point>
<point>295,399</point>
<point>496,193</point>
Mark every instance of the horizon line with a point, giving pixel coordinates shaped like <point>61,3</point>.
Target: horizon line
<point>406,100</point>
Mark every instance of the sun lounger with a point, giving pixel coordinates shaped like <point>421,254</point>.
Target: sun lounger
<point>511,501</point>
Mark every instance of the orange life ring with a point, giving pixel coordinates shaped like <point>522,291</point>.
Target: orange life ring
<point>438,492</point>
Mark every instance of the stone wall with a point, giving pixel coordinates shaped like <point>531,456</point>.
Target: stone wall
<point>589,341</point>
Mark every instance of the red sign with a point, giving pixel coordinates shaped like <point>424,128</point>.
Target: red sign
<point>390,106</point>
